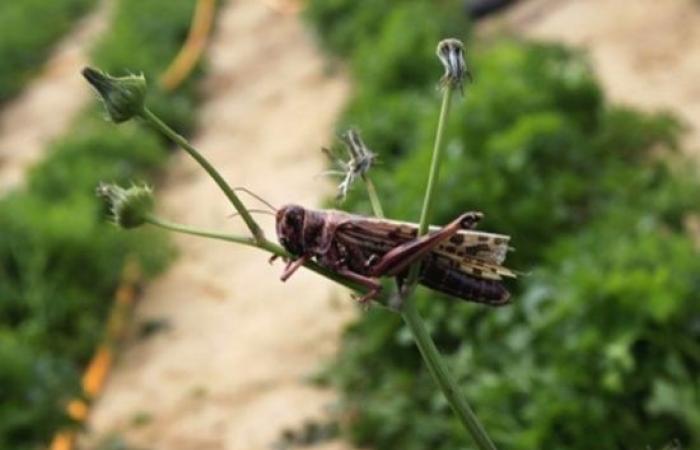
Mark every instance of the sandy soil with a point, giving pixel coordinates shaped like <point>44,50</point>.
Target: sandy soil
<point>646,52</point>
<point>50,102</point>
<point>230,371</point>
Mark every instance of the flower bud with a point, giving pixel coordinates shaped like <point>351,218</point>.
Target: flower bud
<point>123,97</point>
<point>129,207</point>
<point>451,54</point>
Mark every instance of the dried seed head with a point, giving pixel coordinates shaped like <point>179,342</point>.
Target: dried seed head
<point>451,54</point>
<point>123,97</point>
<point>360,162</point>
<point>129,207</point>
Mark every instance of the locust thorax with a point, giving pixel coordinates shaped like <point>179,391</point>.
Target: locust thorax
<point>290,228</point>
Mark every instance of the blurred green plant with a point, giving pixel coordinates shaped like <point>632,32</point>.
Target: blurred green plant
<point>60,261</point>
<point>28,30</point>
<point>601,348</point>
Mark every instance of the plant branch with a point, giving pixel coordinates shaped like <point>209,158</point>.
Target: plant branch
<point>409,312</point>
<point>161,126</point>
<point>435,163</point>
<point>373,197</point>
<point>180,228</point>
<point>443,377</point>
<point>265,245</point>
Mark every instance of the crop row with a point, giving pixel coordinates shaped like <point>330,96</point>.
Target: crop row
<point>28,30</point>
<point>60,260</point>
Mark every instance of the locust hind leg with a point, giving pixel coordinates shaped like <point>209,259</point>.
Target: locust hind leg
<point>400,258</point>
<point>370,283</point>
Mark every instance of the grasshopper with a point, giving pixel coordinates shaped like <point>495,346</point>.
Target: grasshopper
<point>454,259</point>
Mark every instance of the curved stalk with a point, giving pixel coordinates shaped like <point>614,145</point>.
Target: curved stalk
<point>159,125</point>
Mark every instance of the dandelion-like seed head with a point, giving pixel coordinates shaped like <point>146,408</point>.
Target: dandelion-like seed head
<point>451,54</point>
<point>359,163</point>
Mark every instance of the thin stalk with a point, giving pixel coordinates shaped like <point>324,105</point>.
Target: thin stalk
<point>373,197</point>
<point>443,377</point>
<point>180,228</point>
<point>265,245</point>
<point>435,163</point>
<point>161,126</point>
<point>409,312</point>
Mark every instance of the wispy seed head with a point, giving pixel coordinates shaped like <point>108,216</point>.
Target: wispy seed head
<point>359,163</point>
<point>451,54</point>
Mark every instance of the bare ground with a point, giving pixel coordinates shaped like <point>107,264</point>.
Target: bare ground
<point>230,372</point>
<point>646,52</point>
<point>49,103</point>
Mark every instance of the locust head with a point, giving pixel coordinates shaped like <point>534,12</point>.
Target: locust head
<point>290,228</point>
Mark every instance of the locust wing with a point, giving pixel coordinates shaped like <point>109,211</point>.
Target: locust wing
<point>476,253</point>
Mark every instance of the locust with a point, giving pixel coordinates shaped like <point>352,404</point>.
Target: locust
<point>454,259</point>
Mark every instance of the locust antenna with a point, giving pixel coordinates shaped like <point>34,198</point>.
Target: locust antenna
<point>256,211</point>
<point>257,197</point>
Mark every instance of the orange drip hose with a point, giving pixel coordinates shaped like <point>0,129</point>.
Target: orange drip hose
<point>96,372</point>
<point>186,60</point>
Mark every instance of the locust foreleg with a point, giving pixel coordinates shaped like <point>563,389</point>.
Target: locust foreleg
<point>400,258</point>
<point>292,267</point>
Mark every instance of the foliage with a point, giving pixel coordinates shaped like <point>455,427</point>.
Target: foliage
<point>28,29</point>
<point>601,347</point>
<point>60,261</point>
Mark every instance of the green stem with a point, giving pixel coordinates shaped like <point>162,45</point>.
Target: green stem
<point>373,197</point>
<point>435,163</point>
<point>443,377</point>
<point>266,245</point>
<point>424,221</point>
<point>409,312</point>
<point>161,126</point>
<point>172,226</point>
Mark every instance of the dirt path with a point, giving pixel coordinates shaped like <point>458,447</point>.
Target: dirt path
<point>229,372</point>
<point>646,52</point>
<point>50,102</point>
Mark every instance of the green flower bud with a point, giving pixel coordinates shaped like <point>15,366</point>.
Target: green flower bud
<point>123,97</point>
<point>129,207</point>
<point>451,54</point>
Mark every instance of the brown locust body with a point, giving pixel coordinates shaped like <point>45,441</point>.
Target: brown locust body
<point>454,259</point>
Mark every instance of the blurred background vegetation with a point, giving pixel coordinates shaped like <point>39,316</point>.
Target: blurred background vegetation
<point>601,346</point>
<point>22,52</point>
<point>60,260</point>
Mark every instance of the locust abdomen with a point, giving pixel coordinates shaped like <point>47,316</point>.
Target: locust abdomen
<point>459,284</point>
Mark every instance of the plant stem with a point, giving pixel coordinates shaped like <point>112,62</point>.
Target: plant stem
<point>443,377</point>
<point>161,126</point>
<point>153,220</point>
<point>266,245</point>
<point>409,312</point>
<point>435,163</point>
<point>373,197</point>
<point>433,175</point>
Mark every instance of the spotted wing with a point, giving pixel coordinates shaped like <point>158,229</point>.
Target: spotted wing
<point>377,236</point>
<point>476,253</point>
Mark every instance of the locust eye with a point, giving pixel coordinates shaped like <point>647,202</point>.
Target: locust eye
<point>290,226</point>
